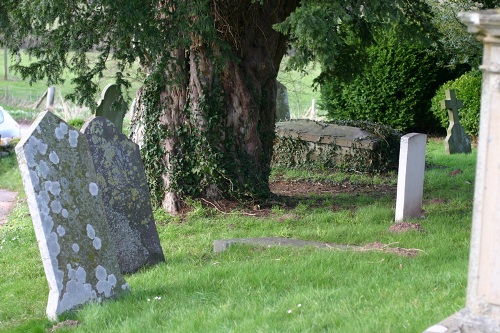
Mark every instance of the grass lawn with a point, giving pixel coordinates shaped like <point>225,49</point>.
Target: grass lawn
<point>254,289</point>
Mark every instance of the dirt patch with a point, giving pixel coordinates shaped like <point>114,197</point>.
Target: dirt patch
<point>401,227</point>
<point>7,203</point>
<point>377,246</point>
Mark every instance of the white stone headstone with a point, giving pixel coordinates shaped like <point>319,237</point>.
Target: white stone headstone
<point>410,176</point>
<point>65,203</point>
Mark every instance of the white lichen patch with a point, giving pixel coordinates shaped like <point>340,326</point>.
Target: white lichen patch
<point>73,138</point>
<point>61,231</point>
<point>75,247</point>
<point>61,131</point>
<point>97,243</point>
<point>53,244</point>
<point>52,187</point>
<point>56,206</point>
<point>125,286</point>
<point>43,169</point>
<point>64,213</point>
<point>93,189</point>
<point>78,291</point>
<point>90,231</point>
<point>53,157</point>
<point>106,282</point>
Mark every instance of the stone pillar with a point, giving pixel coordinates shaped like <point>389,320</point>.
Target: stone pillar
<point>482,311</point>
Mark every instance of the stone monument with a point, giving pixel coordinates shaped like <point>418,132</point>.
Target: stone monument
<point>112,106</point>
<point>410,176</point>
<point>282,105</point>
<point>65,204</point>
<point>125,194</point>
<point>457,141</point>
<point>482,310</point>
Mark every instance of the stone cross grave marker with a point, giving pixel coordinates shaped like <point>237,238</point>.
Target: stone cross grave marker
<point>482,310</point>
<point>112,106</point>
<point>126,198</point>
<point>70,224</point>
<point>457,141</point>
<point>410,176</point>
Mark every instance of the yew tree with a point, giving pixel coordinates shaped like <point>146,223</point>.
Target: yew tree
<point>206,110</point>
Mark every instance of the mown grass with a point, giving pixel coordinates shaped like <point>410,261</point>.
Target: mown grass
<point>253,289</point>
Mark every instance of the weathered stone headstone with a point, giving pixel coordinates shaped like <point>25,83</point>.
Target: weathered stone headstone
<point>65,203</point>
<point>410,176</point>
<point>457,141</point>
<point>125,193</point>
<point>51,92</point>
<point>482,311</point>
<point>112,106</point>
<point>282,105</point>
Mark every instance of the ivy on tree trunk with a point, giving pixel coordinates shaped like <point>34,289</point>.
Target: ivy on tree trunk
<point>205,120</point>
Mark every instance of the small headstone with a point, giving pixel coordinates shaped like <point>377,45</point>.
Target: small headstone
<point>457,141</point>
<point>51,92</point>
<point>112,106</point>
<point>65,203</point>
<point>282,105</point>
<point>410,176</point>
<point>125,194</point>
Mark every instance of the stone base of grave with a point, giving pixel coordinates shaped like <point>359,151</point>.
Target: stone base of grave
<point>464,321</point>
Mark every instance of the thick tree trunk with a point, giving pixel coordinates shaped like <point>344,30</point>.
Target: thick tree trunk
<point>217,116</point>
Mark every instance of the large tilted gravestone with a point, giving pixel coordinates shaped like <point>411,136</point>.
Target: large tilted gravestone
<point>482,311</point>
<point>126,198</point>
<point>70,224</point>
<point>112,106</point>
<point>410,176</point>
<point>457,141</point>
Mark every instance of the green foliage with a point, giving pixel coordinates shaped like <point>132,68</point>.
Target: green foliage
<point>395,82</point>
<point>292,152</point>
<point>76,122</point>
<point>468,89</point>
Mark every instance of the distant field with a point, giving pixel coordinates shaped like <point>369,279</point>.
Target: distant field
<point>19,97</point>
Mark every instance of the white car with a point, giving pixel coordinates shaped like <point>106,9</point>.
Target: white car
<point>9,128</point>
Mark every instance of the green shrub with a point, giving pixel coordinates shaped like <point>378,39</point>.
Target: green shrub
<point>393,88</point>
<point>467,88</point>
<point>76,122</point>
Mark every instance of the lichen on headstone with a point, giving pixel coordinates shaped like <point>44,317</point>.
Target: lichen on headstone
<point>125,194</point>
<point>65,202</point>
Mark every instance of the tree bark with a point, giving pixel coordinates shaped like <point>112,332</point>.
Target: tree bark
<point>225,105</point>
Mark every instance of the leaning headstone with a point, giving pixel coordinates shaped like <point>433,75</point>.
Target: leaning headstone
<point>112,106</point>
<point>282,105</point>
<point>125,194</point>
<point>65,204</point>
<point>457,141</point>
<point>410,176</point>
<point>482,310</point>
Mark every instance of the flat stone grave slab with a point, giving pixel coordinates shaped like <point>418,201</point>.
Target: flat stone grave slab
<point>221,245</point>
<point>125,194</point>
<point>65,203</point>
